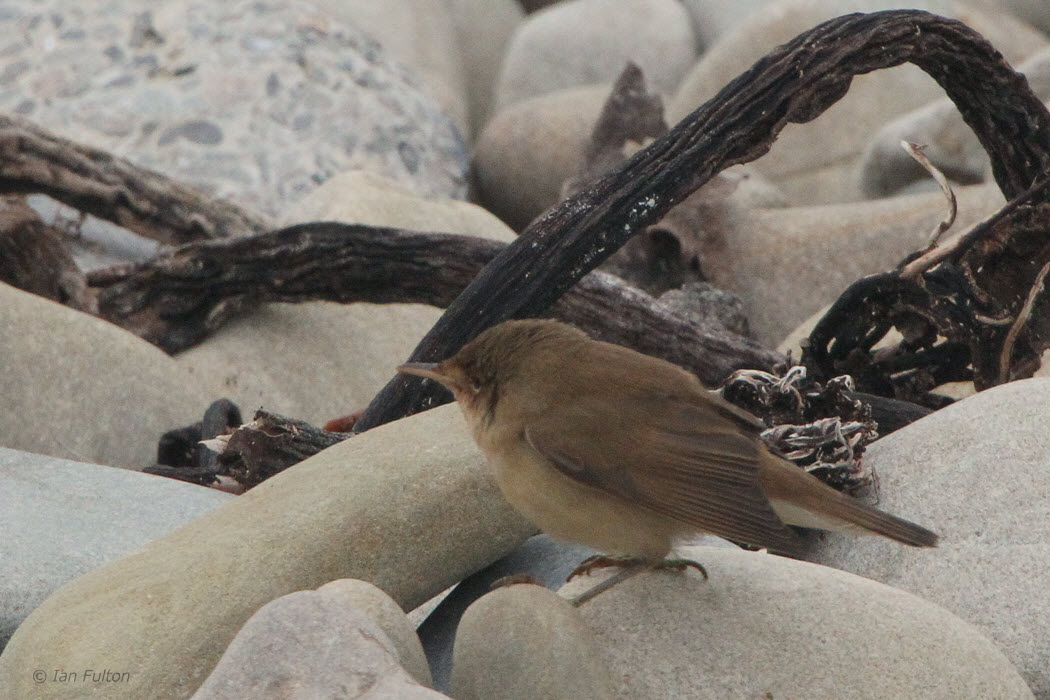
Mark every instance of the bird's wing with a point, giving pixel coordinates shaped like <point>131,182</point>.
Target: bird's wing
<point>680,456</point>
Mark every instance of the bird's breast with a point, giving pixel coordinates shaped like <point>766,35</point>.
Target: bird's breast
<point>570,510</point>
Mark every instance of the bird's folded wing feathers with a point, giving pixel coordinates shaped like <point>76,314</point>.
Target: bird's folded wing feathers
<point>681,458</point>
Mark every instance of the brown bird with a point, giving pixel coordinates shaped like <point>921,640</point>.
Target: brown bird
<point>605,446</point>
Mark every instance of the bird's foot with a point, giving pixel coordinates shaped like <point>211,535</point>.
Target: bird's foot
<point>631,567</point>
<point>601,561</point>
<point>681,565</point>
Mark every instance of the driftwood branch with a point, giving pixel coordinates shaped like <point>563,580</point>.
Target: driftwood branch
<point>180,296</point>
<point>794,83</point>
<point>101,184</point>
<point>972,309</point>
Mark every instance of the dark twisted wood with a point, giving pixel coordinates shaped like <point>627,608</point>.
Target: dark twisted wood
<point>794,83</point>
<point>98,183</point>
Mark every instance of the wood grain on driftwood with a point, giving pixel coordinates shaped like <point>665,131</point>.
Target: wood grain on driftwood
<point>178,297</point>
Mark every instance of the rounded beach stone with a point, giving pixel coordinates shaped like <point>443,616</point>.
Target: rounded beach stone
<point>61,519</point>
<point>307,644</point>
<point>764,624</point>
<point>583,42</point>
<point>976,473</point>
<point>483,28</point>
<point>786,264</point>
<point>523,641</point>
<point>408,506</point>
<point>75,386</point>
<point>363,197</point>
<point>529,149</point>
<point>885,168</point>
<point>363,596</point>
<point>714,18</point>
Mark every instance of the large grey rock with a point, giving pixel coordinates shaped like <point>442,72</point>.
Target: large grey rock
<point>529,149</point>
<point>408,507</point>
<point>61,519</point>
<point>483,28</point>
<point>255,101</point>
<point>545,561</point>
<point>75,386</point>
<point>885,168</point>
<point>584,42</point>
<point>359,196</point>
<point>319,360</point>
<point>311,645</point>
<point>363,596</point>
<point>714,18</point>
<point>1034,12</point>
<point>836,139</point>
<point>978,473</point>
<point>523,642</point>
<point>768,626</point>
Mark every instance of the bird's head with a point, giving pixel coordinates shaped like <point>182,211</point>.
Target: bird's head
<point>482,369</point>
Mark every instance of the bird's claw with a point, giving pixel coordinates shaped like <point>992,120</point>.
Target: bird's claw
<point>681,565</point>
<point>600,561</point>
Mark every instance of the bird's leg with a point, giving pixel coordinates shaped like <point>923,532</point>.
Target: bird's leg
<point>682,565</point>
<point>631,568</point>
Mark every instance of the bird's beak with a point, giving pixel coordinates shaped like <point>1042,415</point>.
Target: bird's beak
<point>424,369</point>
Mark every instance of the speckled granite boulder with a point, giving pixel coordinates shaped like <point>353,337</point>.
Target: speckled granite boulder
<point>256,101</point>
<point>418,34</point>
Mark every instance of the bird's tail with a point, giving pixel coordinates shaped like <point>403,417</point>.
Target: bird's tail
<point>801,499</point>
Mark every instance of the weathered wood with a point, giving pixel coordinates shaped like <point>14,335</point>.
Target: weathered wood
<point>178,297</point>
<point>269,444</point>
<point>972,310</point>
<point>95,182</point>
<point>796,82</point>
